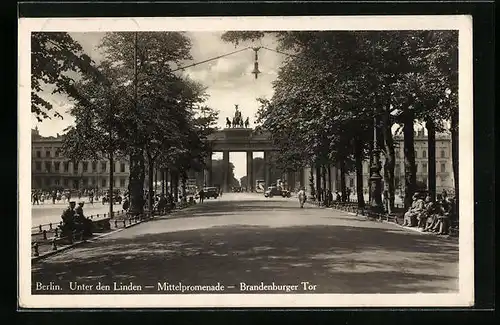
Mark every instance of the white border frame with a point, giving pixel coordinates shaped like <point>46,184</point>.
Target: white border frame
<point>463,24</point>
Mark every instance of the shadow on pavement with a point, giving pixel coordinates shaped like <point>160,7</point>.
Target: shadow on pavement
<point>338,259</point>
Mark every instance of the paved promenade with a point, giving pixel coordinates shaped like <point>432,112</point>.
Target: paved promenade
<point>245,238</point>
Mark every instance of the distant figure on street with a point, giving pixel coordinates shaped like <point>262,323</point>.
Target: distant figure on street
<point>220,192</point>
<point>348,194</point>
<point>162,204</point>
<point>54,197</point>
<point>385,200</point>
<point>35,198</point>
<point>302,197</point>
<point>201,193</point>
<point>329,197</point>
<point>338,197</point>
<point>126,204</point>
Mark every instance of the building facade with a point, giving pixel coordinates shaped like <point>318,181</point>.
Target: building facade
<point>51,170</point>
<point>444,168</point>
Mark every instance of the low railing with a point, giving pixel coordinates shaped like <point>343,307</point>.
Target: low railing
<point>47,237</point>
<point>54,225</point>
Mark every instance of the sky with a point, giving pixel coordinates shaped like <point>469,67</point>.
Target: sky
<point>229,81</point>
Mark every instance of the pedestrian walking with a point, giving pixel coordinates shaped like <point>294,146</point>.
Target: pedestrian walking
<point>202,195</point>
<point>302,197</point>
<point>35,198</point>
<point>329,196</point>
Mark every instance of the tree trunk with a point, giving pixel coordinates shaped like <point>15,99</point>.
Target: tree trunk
<point>171,181</point>
<point>390,160</point>
<point>358,156</point>
<point>409,159</point>
<point>319,195</point>
<point>431,158</point>
<point>162,181</point>
<point>156,180</point>
<point>151,183</point>
<point>329,170</point>
<point>183,188</point>
<point>369,173</point>
<point>136,182</point>
<point>111,183</point>
<point>176,186</point>
<point>311,180</point>
<point>342,180</point>
<point>454,154</point>
<point>323,178</point>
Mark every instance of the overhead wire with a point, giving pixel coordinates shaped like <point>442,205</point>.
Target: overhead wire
<point>211,59</point>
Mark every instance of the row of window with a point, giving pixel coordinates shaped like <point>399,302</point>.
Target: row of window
<point>121,182</point>
<point>48,153</point>
<point>64,166</point>
<point>397,153</point>
<point>397,167</point>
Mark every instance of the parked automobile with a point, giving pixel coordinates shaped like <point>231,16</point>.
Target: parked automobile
<point>275,190</point>
<point>211,192</point>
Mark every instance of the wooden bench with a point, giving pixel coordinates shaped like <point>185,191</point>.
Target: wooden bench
<point>102,224</point>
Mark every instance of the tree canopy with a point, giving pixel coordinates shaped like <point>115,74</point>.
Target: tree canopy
<point>56,61</point>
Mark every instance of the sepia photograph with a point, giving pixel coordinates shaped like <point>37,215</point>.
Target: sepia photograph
<point>246,162</point>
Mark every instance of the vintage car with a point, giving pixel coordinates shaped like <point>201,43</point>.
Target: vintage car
<point>275,190</point>
<point>211,192</point>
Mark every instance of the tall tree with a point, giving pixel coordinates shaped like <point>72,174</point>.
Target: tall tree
<point>146,58</point>
<point>56,61</point>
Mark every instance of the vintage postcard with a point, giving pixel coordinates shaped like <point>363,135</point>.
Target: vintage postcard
<point>246,162</point>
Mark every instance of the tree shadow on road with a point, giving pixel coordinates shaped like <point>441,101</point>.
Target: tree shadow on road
<point>338,259</point>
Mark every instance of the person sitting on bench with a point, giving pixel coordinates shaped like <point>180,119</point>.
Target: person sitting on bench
<point>428,214</point>
<point>443,220</point>
<point>67,217</point>
<point>416,208</point>
<point>81,223</point>
<point>433,212</point>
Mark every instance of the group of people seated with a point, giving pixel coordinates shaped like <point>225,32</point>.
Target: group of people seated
<point>74,221</point>
<point>430,216</point>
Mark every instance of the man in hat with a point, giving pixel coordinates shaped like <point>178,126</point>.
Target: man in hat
<point>81,223</point>
<point>68,219</point>
<point>417,207</point>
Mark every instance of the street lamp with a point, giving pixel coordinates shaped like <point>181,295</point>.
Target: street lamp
<point>376,205</point>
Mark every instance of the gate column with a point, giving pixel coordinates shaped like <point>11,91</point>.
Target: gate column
<point>267,173</point>
<point>225,163</point>
<point>208,171</point>
<point>250,176</point>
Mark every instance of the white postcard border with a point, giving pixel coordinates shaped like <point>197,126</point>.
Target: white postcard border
<point>465,297</point>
